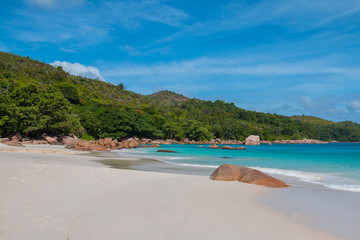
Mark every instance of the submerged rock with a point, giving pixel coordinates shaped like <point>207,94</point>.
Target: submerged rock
<point>214,146</point>
<point>168,151</point>
<point>228,172</point>
<point>233,148</point>
<point>155,145</point>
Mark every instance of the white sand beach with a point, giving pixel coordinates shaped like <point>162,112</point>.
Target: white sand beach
<point>57,195</point>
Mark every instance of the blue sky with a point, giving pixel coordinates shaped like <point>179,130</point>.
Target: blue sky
<point>280,56</point>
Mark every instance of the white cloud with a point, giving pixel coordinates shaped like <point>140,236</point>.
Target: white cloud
<point>79,69</point>
<point>228,66</point>
<point>354,106</point>
<point>299,15</point>
<point>50,4</point>
<point>79,23</point>
<point>306,102</point>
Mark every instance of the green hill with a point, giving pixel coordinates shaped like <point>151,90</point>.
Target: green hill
<point>37,98</point>
<point>311,119</point>
<point>167,97</point>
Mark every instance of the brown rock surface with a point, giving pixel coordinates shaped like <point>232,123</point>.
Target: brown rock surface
<point>14,144</point>
<point>92,148</point>
<point>107,142</point>
<point>129,143</point>
<point>154,145</point>
<point>101,141</point>
<point>168,151</point>
<point>214,146</point>
<point>252,140</point>
<point>68,140</point>
<point>233,148</point>
<point>228,172</point>
<point>114,143</point>
<point>52,141</point>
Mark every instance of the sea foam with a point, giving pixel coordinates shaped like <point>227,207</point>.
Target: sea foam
<point>328,180</point>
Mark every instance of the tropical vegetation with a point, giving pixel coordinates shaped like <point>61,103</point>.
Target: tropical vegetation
<point>37,98</point>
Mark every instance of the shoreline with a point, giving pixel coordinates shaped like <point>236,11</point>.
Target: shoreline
<point>74,196</point>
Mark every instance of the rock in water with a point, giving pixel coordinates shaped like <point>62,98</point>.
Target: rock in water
<point>154,145</point>
<point>167,151</point>
<point>214,146</point>
<point>233,148</point>
<point>252,140</point>
<point>228,172</point>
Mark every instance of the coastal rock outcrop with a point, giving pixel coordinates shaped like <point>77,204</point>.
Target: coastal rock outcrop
<point>167,151</point>
<point>154,145</point>
<point>52,141</point>
<point>88,146</point>
<point>70,140</point>
<point>14,143</point>
<point>214,146</point>
<point>303,141</point>
<point>252,140</point>
<point>228,172</point>
<point>2,140</point>
<point>129,143</point>
<point>232,148</point>
<point>114,144</point>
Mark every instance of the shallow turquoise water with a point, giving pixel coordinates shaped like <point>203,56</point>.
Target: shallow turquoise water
<point>333,165</point>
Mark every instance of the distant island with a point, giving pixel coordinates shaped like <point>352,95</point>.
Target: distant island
<point>37,98</point>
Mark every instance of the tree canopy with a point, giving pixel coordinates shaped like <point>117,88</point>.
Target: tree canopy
<point>38,98</point>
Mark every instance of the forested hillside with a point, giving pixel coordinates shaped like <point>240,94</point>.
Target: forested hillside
<point>37,98</point>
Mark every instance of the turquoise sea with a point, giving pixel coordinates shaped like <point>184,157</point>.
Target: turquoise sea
<point>333,165</point>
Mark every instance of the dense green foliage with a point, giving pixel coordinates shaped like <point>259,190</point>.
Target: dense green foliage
<point>33,111</point>
<point>38,98</point>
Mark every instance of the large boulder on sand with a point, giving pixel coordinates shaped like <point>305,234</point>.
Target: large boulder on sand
<point>83,145</point>
<point>129,143</point>
<point>107,142</point>
<point>252,140</point>
<point>14,143</point>
<point>52,141</point>
<point>70,140</point>
<point>228,172</point>
<point>2,140</point>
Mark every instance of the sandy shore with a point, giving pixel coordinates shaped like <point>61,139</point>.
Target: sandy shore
<point>59,195</point>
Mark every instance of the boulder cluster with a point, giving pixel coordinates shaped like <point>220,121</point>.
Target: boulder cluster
<point>308,141</point>
<point>214,146</point>
<point>72,142</point>
<point>107,144</point>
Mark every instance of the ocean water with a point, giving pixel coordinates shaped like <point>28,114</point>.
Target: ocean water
<point>333,165</point>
